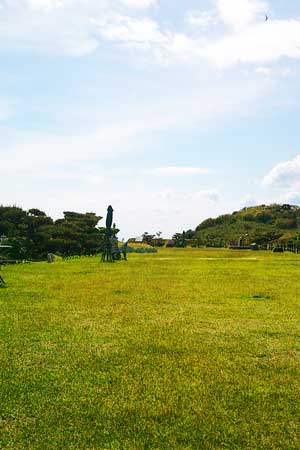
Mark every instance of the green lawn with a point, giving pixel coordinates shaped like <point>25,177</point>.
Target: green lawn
<point>183,349</point>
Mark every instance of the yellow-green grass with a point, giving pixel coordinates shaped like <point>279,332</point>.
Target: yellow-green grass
<point>138,245</point>
<point>183,349</point>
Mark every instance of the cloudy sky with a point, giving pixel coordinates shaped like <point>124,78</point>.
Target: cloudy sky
<point>170,110</point>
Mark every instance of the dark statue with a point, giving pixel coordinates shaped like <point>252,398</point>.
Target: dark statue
<point>109,217</point>
<point>107,246</point>
<point>111,251</point>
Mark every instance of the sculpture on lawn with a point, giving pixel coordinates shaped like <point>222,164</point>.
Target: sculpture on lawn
<point>107,244</point>
<point>110,250</point>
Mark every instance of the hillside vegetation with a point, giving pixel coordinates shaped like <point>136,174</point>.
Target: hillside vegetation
<point>261,224</point>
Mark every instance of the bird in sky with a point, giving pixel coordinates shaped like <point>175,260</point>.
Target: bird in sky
<point>267,18</point>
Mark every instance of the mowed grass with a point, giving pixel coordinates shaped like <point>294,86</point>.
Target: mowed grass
<point>184,349</point>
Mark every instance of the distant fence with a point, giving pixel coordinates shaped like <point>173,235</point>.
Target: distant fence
<point>277,248</point>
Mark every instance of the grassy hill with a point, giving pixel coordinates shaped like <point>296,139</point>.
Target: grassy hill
<point>261,224</point>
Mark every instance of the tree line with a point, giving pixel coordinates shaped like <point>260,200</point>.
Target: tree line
<point>32,234</point>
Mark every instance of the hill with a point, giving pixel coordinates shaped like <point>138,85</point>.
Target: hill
<point>261,224</point>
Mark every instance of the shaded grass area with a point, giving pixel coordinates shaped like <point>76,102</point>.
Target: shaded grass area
<point>183,349</point>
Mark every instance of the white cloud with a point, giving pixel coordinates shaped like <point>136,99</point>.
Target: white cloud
<point>171,194</point>
<point>238,14</point>
<point>291,197</point>
<point>201,18</point>
<point>286,173</point>
<point>259,43</point>
<point>235,14</point>
<point>264,70</point>
<point>54,4</point>
<point>139,4</point>
<point>255,43</point>
<point>59,26</point>
<point>179,171</point>
<point>130,30</point>
<point>212,195</point>
<point>47,5</point>
<point>77,27</point>
<point>146,35</point>
<point>271,71</point>
<point>45,152</point>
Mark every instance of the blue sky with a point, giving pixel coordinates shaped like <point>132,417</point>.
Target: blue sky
<point>172,111</point>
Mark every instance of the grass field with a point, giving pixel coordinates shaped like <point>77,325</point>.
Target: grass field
<point>183,349</point>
